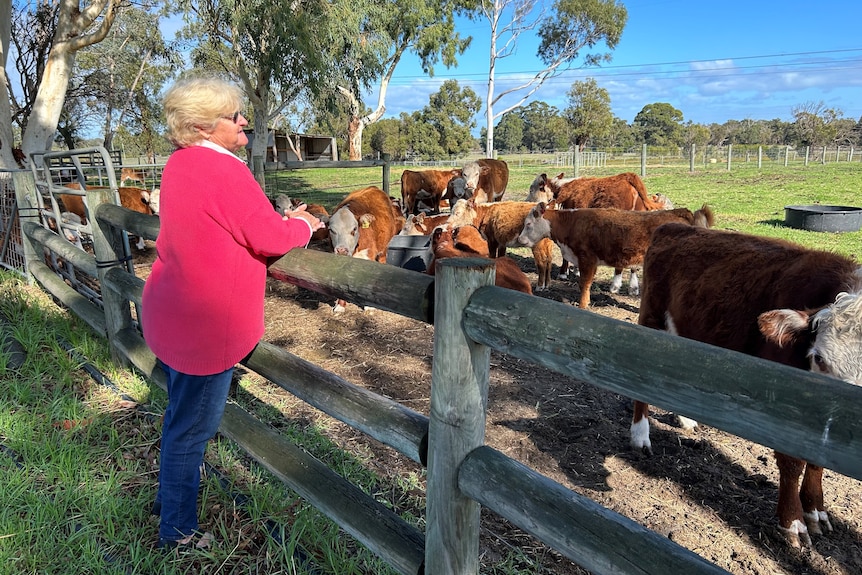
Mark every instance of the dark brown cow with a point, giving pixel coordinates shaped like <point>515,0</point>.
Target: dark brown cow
<point>500,223</point>
<point>775,300</point>
<point>426,186</point>
<point>508,274</point>
<point>483,180</point>
<point>616,238</point>
<point>624,191</point>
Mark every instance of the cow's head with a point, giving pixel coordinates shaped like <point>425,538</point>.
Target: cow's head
<point>456,189</point>
<point>832,335</point>
<point>536,226</point>
<point>540,190</point>
<point>343,231</point>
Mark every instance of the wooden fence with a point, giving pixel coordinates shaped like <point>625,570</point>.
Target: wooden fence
<point>796,412</point>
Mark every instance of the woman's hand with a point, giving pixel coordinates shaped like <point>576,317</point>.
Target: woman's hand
<point>299,212</point>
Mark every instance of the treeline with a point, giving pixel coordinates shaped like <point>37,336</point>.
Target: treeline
<point>540,127</point>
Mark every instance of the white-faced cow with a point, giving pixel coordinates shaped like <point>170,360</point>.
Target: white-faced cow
<point>767,298</point>
<point>426,187</point>
<point>606,236</point>
<point>482,180</point>
<point>365,220</point>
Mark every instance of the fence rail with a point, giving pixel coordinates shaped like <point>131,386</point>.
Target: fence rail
<point>743,395</point>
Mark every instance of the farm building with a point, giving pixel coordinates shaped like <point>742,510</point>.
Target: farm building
<point>310,147</point>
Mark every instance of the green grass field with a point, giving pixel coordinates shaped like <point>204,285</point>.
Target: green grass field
<point>745,199</point>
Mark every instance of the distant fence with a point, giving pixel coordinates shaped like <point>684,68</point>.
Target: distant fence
<point>471,317</point>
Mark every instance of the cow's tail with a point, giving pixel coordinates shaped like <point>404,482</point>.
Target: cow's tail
<point>704,218</point>
<point>643,197</point>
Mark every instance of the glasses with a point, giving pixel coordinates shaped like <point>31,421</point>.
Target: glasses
<point>233,118</point>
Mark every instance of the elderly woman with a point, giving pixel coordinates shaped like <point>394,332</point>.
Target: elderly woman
<point>202,308</point>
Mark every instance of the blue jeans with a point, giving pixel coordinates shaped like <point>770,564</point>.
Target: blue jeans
<point>195,407</point>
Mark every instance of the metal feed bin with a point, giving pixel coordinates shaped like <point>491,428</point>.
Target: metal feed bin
<point>817,218</point>
<point>410,252</point>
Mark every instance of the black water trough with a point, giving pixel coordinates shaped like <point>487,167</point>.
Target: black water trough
<point>817,218</point>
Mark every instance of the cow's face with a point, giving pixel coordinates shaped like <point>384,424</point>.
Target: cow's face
<point>471,173</point>
<point>836,331</point>
<point>540,190</point>
<point>536,227</point>
<point>343,232</point>
<point>457,189</point>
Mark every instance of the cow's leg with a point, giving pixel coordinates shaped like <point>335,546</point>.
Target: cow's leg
<point>617,280</point>
<point>790,521</point>
<point>564,270</point>
<point>640,428</point>
<point>587,268</point>
<point>811,496</point>
<point>634,286</point>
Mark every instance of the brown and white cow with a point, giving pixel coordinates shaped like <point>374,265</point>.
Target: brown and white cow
<point>445,245</point>
<point>604,236</point>
<point>425,186</point>
<point>776,300</point>
<point>422,225</point>
<point>368,212</point>
<point>483,180</point>
<point>135,199</point>
<point>500,223</point>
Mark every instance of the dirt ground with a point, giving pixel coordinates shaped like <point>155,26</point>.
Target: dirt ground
<point>706,490</point>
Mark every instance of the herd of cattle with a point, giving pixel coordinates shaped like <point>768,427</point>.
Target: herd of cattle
<point>764,297</point>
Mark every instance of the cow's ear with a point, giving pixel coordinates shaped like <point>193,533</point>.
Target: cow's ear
<point>541,208</point>
<point>783,326</point>
<point>365,220</point>
<point>561,175</point>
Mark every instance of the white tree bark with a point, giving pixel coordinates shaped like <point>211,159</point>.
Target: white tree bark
<point>77,28</point>
<point>7,160</point>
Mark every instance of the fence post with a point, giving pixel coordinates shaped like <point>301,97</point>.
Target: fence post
<point>807,154</point>
<point>576,162</point>
<point>823,156</point>
<point>759,157</point>
<point>786,155</point>
<point>729,155</point>
<point>456,426</point>
<point>850,154</point>
<point>643,161</point>
<point>691,154</point>
<point>386,159</point>
<point>111,248</point>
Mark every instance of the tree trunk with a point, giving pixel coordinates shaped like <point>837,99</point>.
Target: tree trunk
<point>69,37</point>
<point>7,159</point>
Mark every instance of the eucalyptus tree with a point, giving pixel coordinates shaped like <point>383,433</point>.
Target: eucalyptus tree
<point>659,124</point>
<point>564,31</point>
<point>124,74</point>
<point>387,31</point>
<point>816,124</point>
<point>76,27</point>
<point>276,51</point>
<point>450,111</point>
<point>509,133</point>
<point>588,112</point>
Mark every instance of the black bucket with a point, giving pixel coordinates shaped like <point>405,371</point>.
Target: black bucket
<point>410,252</point>
<point>817,218</point>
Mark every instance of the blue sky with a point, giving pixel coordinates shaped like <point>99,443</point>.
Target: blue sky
<point>713,61</point>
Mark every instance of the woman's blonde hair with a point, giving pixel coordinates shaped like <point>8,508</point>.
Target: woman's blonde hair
<point>197,101</point>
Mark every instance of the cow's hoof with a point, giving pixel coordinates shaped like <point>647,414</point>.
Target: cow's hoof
<point>796,535</point>
<point>817,522</point>
<point>563,277</point>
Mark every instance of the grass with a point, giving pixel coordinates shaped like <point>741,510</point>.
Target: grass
<point>78,464</point>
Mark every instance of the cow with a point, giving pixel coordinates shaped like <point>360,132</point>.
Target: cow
<point>608,236</point>
<point>508,274</point>
<point>351,215</point>
<point>426,186</point>
<point>483,180</point>
<point>284,203</point>
<point>422,225</point>
<point>500,223</point>
<point>131,175</point>
<point>775,300</point>
<point>625,191</point>
<point>135,199</point>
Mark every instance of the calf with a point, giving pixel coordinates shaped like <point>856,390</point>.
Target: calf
<point>607,236</point>
<point>500,224</point>
<point>422,225</point>
<point>135,199</point>
<point>775,300</point>
<point>426,186</point>
<point>508,274</point>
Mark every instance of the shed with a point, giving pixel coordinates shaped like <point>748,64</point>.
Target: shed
<point>310,147</point>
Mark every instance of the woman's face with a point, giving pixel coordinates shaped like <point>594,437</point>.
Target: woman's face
<point>228,132</point>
